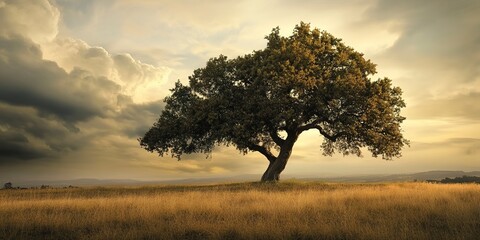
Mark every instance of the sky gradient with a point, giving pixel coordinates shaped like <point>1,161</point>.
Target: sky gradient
<point>80,81</point>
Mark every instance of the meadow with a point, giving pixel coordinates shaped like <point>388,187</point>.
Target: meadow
<point>287,210</point>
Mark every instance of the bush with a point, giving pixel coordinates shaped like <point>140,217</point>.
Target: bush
<point>8,185</point>
<point>463,179</point>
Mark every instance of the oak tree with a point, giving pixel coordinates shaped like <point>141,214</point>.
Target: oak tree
<point>264,100</point>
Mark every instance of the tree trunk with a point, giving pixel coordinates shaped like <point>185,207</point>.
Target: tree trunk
<point>265,174</point>
<point>272,174</point>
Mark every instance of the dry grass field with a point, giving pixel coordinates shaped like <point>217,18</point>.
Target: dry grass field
<point>288,210</point>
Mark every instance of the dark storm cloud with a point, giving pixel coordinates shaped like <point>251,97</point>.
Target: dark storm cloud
<point>27,119</point>
<point>136,119</point>
<point>28,80</point>
<point>52,108</point>
<point>26,135</point>
<point>15,146</point>
<point>42,104</point>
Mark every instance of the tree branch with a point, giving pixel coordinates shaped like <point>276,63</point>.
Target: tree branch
<point>328,136</point>
<point>277,139</point>
<point>314,125</point>
<point>262,150</point>
<point>309,126</point>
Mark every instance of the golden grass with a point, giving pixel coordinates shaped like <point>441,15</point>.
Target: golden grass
<point>288,210</point>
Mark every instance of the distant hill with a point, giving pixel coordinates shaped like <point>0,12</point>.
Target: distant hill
<point>77,182</point>
<point>421,176</point>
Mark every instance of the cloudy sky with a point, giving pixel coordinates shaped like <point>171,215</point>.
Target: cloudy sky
<point>80,81</point>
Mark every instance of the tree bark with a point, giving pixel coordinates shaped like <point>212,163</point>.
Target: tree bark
<point>272,174</point>
<point>265,175</point>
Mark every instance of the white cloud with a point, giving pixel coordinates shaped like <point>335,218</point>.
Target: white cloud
<point>71,53</point>
<point>143,81</point>
<point>36,20</point>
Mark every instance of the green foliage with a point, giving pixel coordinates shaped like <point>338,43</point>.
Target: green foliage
<point>256,102</point>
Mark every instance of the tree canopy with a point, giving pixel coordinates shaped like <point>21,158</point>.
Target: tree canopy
<point>264,100</point>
